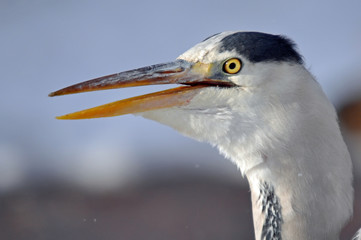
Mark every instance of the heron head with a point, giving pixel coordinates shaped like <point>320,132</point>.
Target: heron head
<point>231,82</point>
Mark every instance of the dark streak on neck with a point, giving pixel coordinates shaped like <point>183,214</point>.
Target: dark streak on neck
<point>271,209</point>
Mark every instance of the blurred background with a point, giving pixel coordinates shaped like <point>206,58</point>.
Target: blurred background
<point>127,177</point>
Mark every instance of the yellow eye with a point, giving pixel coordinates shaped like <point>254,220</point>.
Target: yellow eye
<point>232,66</point>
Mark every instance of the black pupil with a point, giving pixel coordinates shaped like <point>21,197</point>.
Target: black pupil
<point>232,66</point>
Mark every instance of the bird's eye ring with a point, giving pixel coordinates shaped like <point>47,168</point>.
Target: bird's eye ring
<point>232,66</point>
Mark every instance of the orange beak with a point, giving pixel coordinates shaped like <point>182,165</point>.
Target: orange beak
<point>196,76</point>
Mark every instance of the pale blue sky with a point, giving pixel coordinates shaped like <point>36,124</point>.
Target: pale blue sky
<point>46,45</point>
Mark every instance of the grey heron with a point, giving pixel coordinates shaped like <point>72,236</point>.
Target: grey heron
<point>250,95</point>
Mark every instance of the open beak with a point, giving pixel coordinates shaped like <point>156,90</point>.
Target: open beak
<point>195,75</point>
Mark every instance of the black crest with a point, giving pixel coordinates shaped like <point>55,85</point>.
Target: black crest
<point>261,47</point>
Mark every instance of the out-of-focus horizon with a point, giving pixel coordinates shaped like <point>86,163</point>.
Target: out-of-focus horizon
<point>47,45</point>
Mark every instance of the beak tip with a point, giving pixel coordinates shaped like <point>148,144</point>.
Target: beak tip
<point>59,93</point>
<point>56,93</point>
<point>71,116</point>
<point>65,117</point>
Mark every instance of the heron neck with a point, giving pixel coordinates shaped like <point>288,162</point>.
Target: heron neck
<point>267,212</point>
<point>271,214</point>
<point>291,204</point>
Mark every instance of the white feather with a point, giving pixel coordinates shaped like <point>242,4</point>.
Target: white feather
<point>357,235</point>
